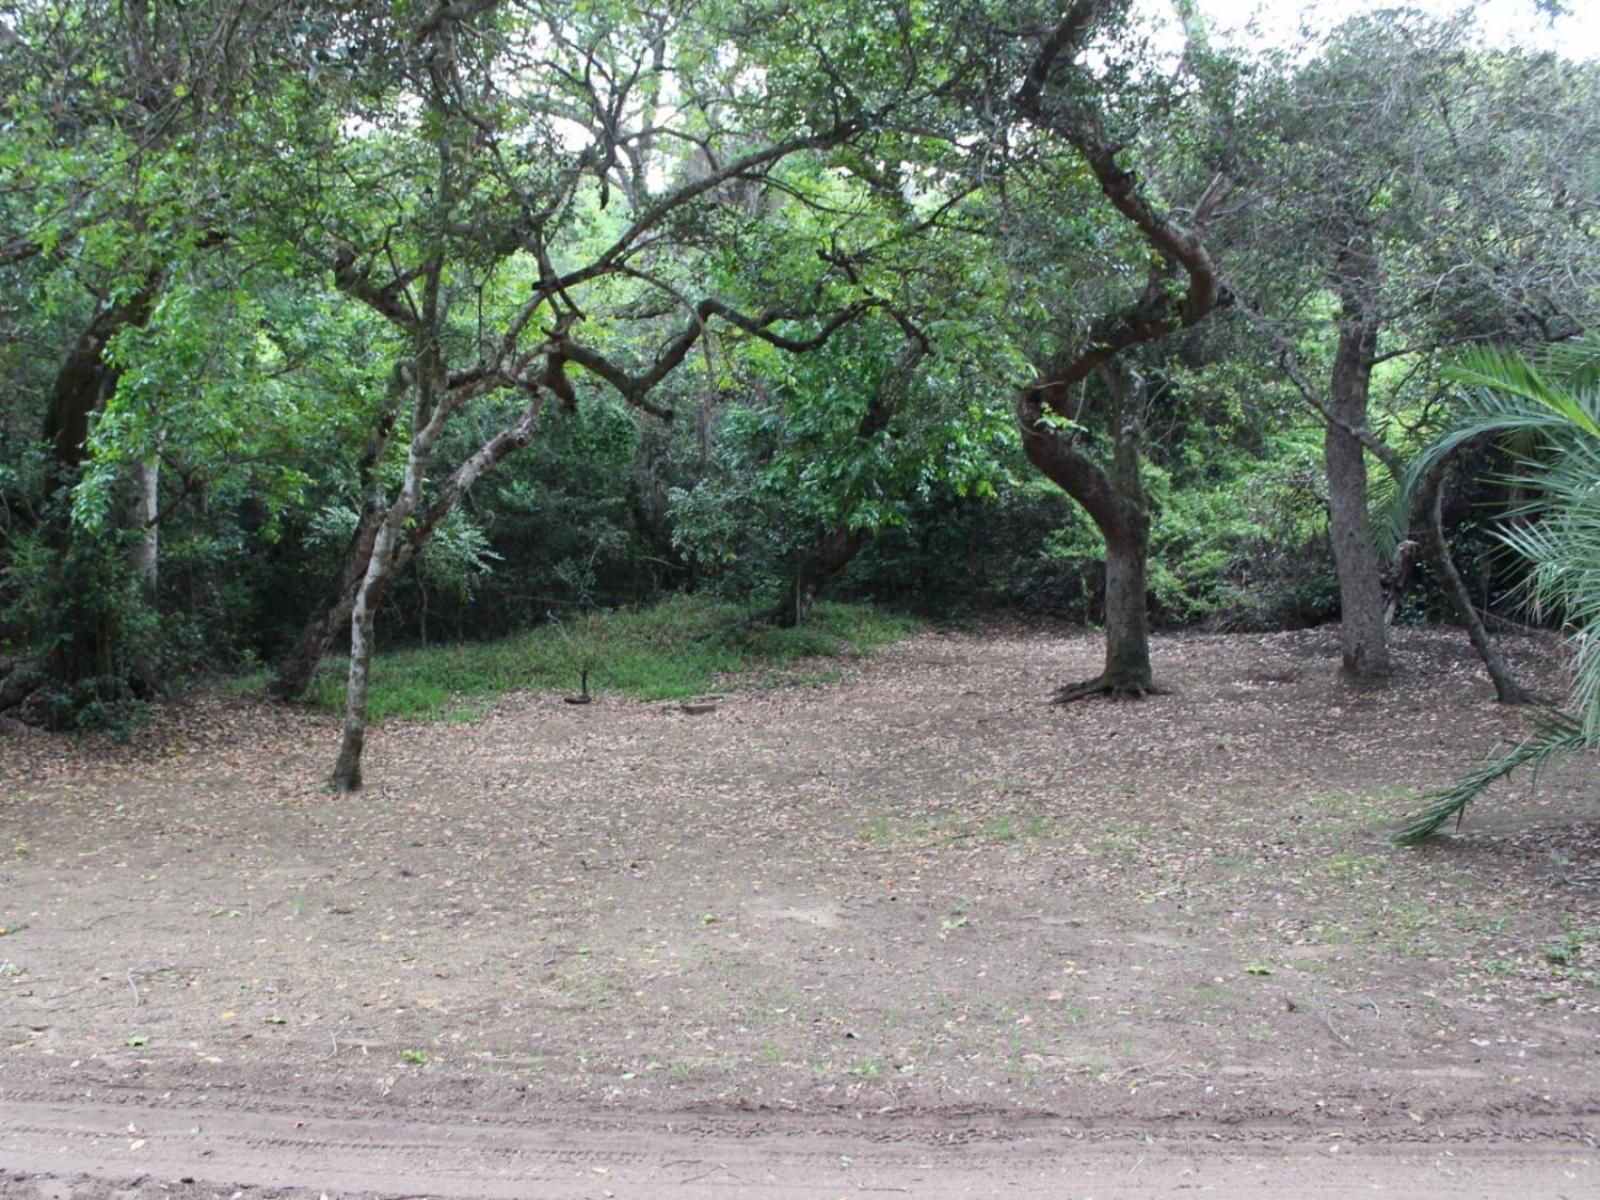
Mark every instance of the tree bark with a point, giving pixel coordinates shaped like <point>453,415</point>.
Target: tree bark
<point>1362,629</point>
<point>816,568</point>
<point>432,410</point>
<point>296,669</point>
<point>299,666</point>
<point>1430,505</point>
<point>1115,500</point>
<point>144,554</point>
<point>86,379</point>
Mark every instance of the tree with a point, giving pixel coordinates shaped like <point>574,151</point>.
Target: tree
<point>1412,191</point>
<point>111,205</point>
<point>1548,416</point>
<point>1060,98</point>
<point>508,235</point>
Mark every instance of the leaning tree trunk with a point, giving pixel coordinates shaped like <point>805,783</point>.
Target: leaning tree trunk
<point>86,378</point>
<point>347,771</point>
<point>1115,500</point>
<point>1429,505</point>
<point>1362,628</point>
<point>432,405</point>
<point>814,570</point>
<point>83,383</point>
<point>294,673</point>
<point>296,669</point>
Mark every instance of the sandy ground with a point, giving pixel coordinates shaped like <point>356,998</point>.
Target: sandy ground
<point>914,931</point>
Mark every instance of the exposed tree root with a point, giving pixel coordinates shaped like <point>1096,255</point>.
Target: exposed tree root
<point>1100,685</point>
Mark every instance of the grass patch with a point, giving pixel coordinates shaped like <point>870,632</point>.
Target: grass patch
<point>684,646</point>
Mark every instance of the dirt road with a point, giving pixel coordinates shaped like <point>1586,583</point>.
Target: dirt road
<point>129,1149</point>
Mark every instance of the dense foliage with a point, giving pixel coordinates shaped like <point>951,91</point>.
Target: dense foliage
<point>463,319</point>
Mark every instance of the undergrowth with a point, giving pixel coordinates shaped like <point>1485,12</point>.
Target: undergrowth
<point>684,646</point>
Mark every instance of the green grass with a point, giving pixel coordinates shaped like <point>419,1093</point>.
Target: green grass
<point>684,646</point>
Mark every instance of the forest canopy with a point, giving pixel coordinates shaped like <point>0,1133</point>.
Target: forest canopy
<point>328,321</point>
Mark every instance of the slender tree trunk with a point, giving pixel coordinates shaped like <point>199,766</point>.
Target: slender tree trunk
<point>1430,505</point>
<point>295,672</point>
<point>1363,631</point>
<point>144,555</point>
<point>297,668</point>
<point>431,408</point>
<point>347,771</point>
<point>816,569</point>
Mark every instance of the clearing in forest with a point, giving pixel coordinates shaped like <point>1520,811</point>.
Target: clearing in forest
<point>913,930</point>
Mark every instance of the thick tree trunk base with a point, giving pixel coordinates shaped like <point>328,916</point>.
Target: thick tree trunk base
<point>1360,671</point>
<point>346,775</point>
<point>1107,685</point>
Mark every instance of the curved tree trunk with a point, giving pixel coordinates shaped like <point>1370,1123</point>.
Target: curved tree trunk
<point>296,669</point>
<point>294,673</point>
<point>1363,630</point>
<point>1115,500</point>
<point>817,568</point>
<point>1429,505</point>
<point>86,379</point>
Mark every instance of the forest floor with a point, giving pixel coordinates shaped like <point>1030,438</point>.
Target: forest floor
<point>912,931</point>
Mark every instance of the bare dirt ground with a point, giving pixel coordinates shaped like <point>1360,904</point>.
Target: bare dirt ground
<point>912,932</point>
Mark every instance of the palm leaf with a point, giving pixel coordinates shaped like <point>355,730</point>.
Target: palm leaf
<point>1556,734</point>
<point>1550,419</point>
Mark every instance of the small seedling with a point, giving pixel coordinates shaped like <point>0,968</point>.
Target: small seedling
<point>414,1056</point>
<point>137,1040</point>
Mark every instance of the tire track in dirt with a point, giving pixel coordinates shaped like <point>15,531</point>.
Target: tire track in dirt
<point>144,1149</point>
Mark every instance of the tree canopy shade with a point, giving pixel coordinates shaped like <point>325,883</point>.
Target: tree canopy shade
<point>510,188</point>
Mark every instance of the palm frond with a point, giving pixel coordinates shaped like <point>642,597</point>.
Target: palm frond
<point>1556,734</point>
<point>1549,420</point>
<point>1508,375</point>
<point>1575,363</point>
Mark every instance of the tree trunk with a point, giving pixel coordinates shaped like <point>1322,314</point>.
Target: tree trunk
<point>1115,500</point>
<point>144,555</point>
<point>431,408</point>
<point>1127,670</point>
<point>816,568</point>
<point>347,771</point>
<point>1363,632</point>
<point>1429,506</point>
<point>86,379</point>
<point>295,672</point>
<point>296,669</point>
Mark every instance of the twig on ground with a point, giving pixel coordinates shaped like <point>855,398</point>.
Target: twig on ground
<point>135,987</point>
<point>1144,1066</point>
